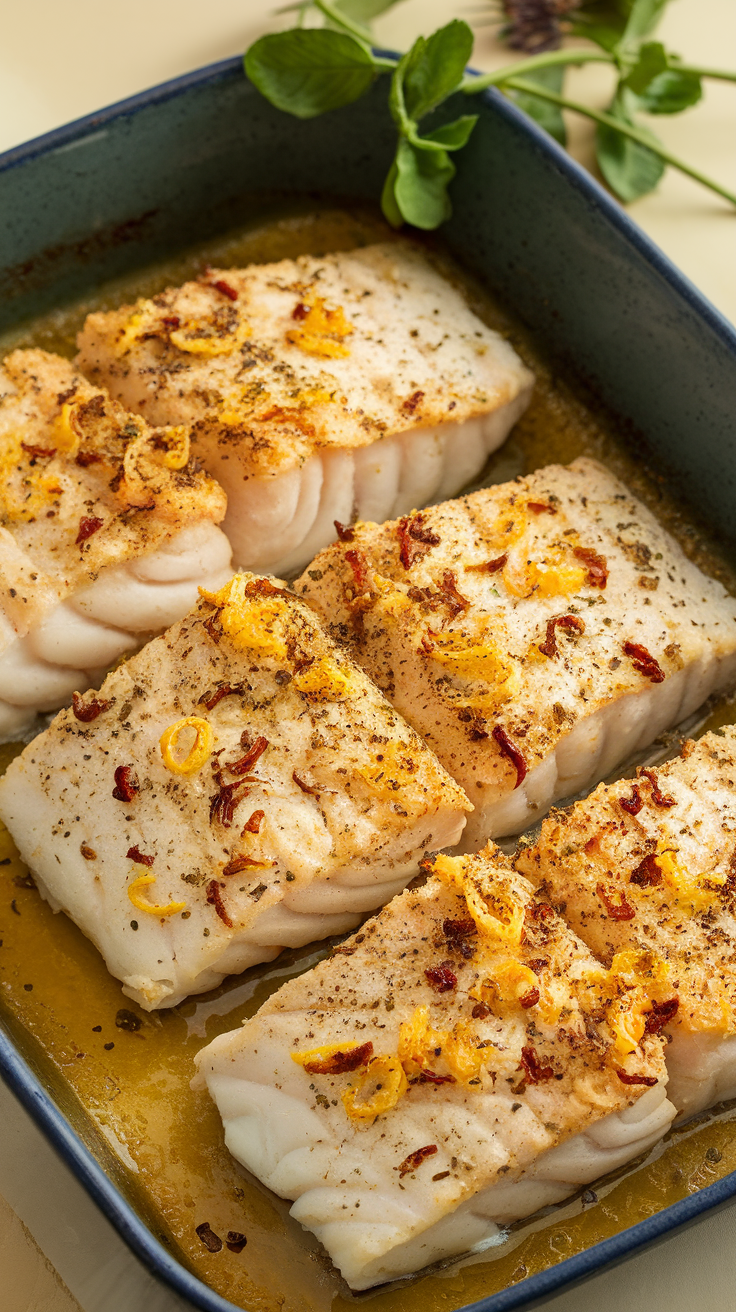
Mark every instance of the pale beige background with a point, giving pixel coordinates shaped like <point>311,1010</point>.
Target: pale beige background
<point>63,58</point>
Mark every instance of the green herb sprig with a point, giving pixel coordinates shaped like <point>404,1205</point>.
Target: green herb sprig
<point>308,71</point>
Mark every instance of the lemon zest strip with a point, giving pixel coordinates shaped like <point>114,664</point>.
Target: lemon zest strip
<point>198,753</point>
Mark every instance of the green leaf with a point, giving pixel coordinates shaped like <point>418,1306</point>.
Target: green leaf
<point>547,115</point>
<point>420,188</point>
<point>629,168</point>
<point>307,71</point>
<point>643,18</point>
<point>671,92</point>
<point>453,136</point>
<point>389,204</point>
<point>364,11</point>
<point>651,62</point>
<point>435,67</point>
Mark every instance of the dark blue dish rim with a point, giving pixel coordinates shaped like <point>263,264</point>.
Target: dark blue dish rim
<point>15,1071</point>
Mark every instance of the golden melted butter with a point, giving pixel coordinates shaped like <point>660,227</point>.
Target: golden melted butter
<point>126,1090</point>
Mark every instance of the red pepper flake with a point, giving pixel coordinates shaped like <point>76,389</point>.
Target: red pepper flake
<point>243,862</point>
<point>537,911</point>
<point>214,899</point>
<point>306,788</point>
<point>535,1072</point>
<point>647,872</point>
<point>359,565</point>
<point>658,797</point>
<point>596,565</point>
<point>88,525</point>
<point>570,623</point>
<point>253,754</point>
<point>625,1078</point>
<point>253,825</point>
<point>171,322</point>
<point>344,532</point>
<point>442,978</point>
<point>429,1077</point>
<point>415,1159</point>
<point>225,801</point>
<point>457,933</point>
<point>481,1010</point>
<point>511,751</point>
<point>340,1062</point>
<point>211,699</point>
<point>541,507</point>
<point>621,910</point>
<point>86,458</point>
<point>38,452</point>
<point>235,1241</point>
<point>411,402</point>
<point>87,711</point>
<point>661,1014</point>
<point>300,311</point>
<point>538,964</point>
<point>447,595</point>
<point>634,803</point>
<point>135,854</point>
<point>644,662</point>
<point>225,289</point>
<point>208,1237</point>
<point>264,588</point>
<point>413,535</point>
<point>529,999</point>
<point>489,566</point>
<point>126,784</point>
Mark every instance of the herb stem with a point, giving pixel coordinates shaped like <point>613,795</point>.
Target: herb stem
<point>607,120</point>
<point>340,19</point>
<point>717,74</point>
<point>550,59</point>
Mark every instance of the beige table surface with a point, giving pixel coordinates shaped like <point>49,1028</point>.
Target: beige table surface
<point>63,58</point>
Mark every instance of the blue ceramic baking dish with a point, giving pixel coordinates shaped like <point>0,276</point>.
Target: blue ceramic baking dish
<point>197,156</point>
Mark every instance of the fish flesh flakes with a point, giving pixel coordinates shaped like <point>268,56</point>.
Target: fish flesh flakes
<point>535,633</point>
<point>236,787</point>
<point>357,384</point>
<point>106,529</point>
<point>461,1062</point>
<point>649,865</point>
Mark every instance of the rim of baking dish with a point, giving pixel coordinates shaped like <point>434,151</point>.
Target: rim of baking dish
<point>16,1072</point>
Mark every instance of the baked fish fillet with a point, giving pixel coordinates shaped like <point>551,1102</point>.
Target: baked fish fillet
<point>534,633</point>
<point>651,865</point>
<point>461,1062</point>
<point>106,529</point>
<point>316,390</point>
<point>236,787</point>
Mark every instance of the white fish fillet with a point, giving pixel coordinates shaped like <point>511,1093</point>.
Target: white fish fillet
<point>504,1111</point>
<point>358,384</point>
<point>106,530</point>
<point>651,865</point>
<point>288,800</point>
<point>534,633</point>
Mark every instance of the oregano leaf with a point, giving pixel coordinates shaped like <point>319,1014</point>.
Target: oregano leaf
<point>420,188</point>
<point>671,92</point>
<point>364,11</point>
<point>651,62</point>
<point>629,168</point>
<point>307,71</point>
<point>451,136</point>
<point>547,115</point>
<point>435,67</point>
<point>389,203</point>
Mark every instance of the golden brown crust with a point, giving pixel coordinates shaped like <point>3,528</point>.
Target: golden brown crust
<point>650,864</point>
<point>85,485</point>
